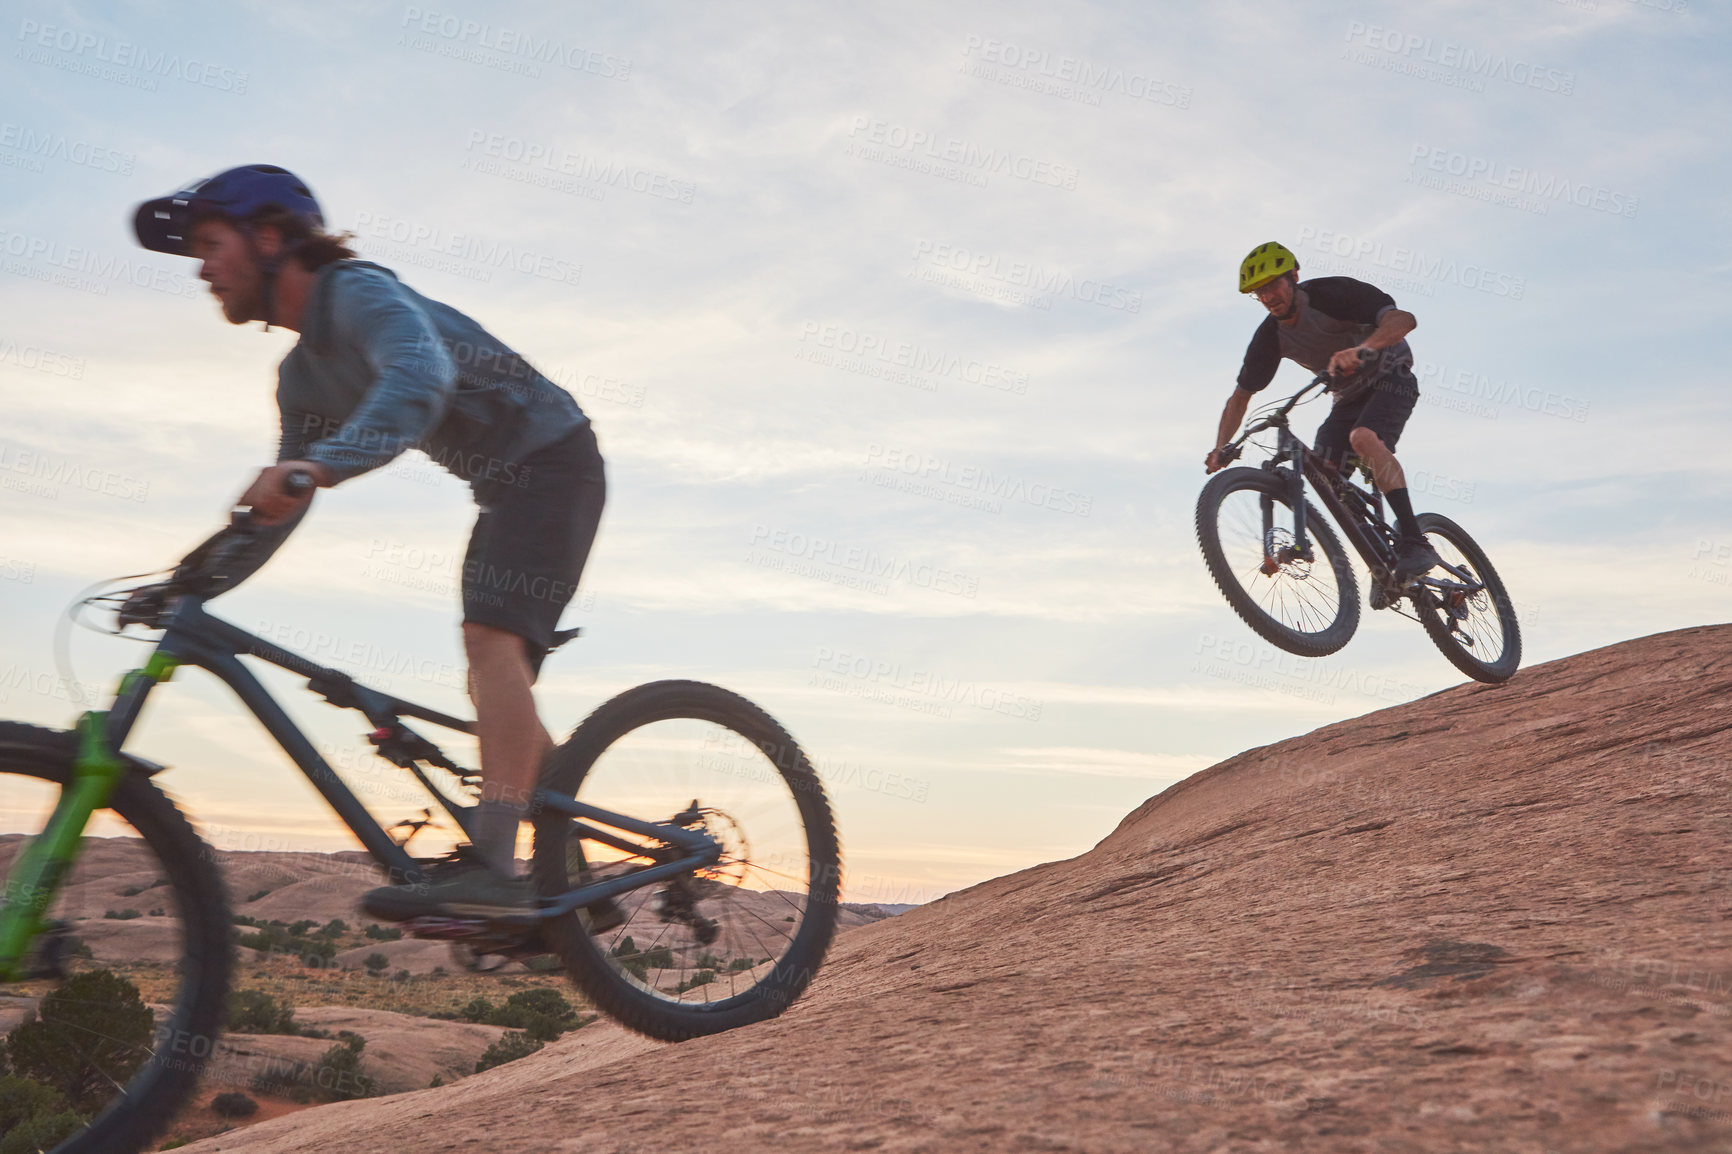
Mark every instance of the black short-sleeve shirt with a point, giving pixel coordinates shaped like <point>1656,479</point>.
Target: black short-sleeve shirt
<point>1335,313</point>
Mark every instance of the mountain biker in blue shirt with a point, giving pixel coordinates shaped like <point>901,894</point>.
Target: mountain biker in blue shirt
<point>1325,324</point>
<point>379,369</point>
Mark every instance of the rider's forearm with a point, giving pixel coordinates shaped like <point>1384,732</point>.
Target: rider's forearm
<point>1391,328</point>
<point>1232,415</point>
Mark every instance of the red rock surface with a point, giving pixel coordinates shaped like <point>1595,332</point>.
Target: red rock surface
<point>1491,919</point>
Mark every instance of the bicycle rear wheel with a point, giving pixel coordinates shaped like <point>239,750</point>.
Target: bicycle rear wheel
<point>1303,603</point>
<point>114,1071</point>
<point>1476,631</point>
<point>714,948</point>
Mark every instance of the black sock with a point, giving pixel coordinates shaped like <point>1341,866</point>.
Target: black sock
<point>1403,512</point>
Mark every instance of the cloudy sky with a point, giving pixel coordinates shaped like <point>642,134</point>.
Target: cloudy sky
<point>817,271</point>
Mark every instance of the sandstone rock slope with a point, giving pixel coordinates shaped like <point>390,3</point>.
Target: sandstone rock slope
<point>1491,919</point>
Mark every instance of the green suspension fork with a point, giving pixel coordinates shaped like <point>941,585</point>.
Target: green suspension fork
<point>45,861</point>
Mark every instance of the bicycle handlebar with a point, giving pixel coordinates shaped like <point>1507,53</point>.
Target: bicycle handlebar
<point>1229,452</point>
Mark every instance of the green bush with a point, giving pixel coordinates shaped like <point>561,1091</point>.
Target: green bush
<point>233,1104</point>
<point>701,978</point>
<point>256,1012</point>
<point>375,964</point>
<point>41,1132</point>
<point>90,1034</point>
<point>21,1100</point>
<point>334,927</point>
<point>274,937</point>
<point>541,1013</point>
<point>257,894</point>
<point>122,915</point>
<point>339,1075</point>
<point>380,934</point>
<point>509,1048</point>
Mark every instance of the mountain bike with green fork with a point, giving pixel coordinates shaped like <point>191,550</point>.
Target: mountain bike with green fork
<point>1282,568</point>
<point>682,810</point>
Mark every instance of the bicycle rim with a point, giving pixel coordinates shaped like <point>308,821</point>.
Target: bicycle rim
<point>724,944</point>
<point>1477,632</point>
<point>1303,603</point>
<point>119,1041</point>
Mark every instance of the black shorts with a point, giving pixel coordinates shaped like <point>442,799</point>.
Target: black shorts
<point>531,541</point>
<point>1384,409</point>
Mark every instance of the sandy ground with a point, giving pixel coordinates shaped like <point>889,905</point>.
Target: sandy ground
<point>1494,919</point>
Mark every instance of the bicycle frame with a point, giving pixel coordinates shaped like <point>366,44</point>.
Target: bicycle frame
<point>194,637</point>
<point>1356,523</point>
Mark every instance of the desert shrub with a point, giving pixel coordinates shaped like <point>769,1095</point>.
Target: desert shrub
<point>740,964</point>
<point>274,937</point>
<point>233,1104</point>
<point>375,964</point>
<point>379,933</point>
<point>257,894</point>
<point>122,915</point>
<point>541,1013</point>
<point>256,1012</point>
<point>89,1035</point>
<point>41,1132</point>
<point>701,978</point>
<point>340,1073</point>
<point>509,1048</point>
<point>334,927</point>
<point>21,1100</point>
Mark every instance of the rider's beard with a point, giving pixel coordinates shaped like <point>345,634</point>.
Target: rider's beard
<point>242,304</point>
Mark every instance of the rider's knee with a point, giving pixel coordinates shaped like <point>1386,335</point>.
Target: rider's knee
<point>1364,440</point>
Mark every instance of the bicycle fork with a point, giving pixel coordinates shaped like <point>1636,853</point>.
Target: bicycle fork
<point>46,859</point>
<point>1275,555</point>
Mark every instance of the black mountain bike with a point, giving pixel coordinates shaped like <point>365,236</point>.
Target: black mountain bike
<point>1282,568</point>
<point>685,860</point>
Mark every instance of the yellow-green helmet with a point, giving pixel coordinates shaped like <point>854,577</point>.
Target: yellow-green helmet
<point>1266,262</point>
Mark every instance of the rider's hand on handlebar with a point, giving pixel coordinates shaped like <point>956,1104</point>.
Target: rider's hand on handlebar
<point>1219,458</point>
<point>271,497</point>
<point>1349,361</point>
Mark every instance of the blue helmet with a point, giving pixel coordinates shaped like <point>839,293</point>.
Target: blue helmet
<point>165,224</point>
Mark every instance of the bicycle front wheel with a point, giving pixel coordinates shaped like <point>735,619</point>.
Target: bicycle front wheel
<point>1464,607</point>
<point>115,1041</point>
<point>1304,602</point>
<point>714,948</point>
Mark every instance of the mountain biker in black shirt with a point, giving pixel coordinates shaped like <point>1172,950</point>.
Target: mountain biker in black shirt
<point>1323,324</point>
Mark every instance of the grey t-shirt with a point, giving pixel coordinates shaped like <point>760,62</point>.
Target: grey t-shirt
<point>380,368</point>
<point>1335,313</point>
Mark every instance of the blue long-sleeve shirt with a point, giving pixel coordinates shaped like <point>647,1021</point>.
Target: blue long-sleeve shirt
<point>380,368</point>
